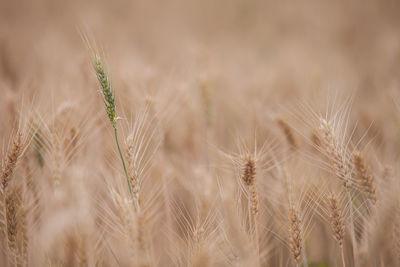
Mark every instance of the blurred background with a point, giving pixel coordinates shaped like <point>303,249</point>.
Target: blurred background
<point>245,61</point>
<point>266,52</point>
<point>282,44</point>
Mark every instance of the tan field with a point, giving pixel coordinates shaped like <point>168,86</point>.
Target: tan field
<point>200,133</point>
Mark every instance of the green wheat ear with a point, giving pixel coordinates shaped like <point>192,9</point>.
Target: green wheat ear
<point>109,102</point>
<point>105,84</point>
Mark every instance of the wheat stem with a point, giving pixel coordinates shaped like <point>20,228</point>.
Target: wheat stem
<point>123,164</point>
<point>110,105</point>
<point>342,254</point>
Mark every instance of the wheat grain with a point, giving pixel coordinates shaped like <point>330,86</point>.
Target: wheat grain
<point>365,176</point>
<point>11,160</point>
<point>249,170</point>
<point>295,235</point>
<point>336,218</point>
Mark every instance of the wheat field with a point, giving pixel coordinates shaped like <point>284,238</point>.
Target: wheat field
<point>200,133</point>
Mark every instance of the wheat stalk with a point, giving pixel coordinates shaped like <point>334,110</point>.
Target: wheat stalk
<point>337,155</point>
<point>110,105</point>
<point>248,177</point>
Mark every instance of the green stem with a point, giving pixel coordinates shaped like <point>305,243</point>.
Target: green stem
<point>123,162</point>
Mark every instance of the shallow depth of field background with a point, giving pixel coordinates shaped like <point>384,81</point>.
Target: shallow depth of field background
<point>266,50</point>
<point>258,60</point>
<point>259,52</point>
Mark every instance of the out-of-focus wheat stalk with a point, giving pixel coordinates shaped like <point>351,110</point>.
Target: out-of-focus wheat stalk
<point>337,155</point>
<point>248,177</point>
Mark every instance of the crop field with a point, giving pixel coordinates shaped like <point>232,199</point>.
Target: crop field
<point>152,133</point>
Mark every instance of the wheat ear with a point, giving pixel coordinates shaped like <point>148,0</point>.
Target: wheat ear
<point>365,176</point>
<point>11,160</point>
<point>295,235</point>
<point>249,179</point>
<point>335,152</point>
<point>337,222</point>
<point>8,168</point>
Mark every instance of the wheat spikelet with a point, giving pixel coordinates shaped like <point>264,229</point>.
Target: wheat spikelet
<point>249,170</point>
<point>133,171</point>
<point>336,218</point>
<point>11,160</point>
<point>254,199</point>
<point>295,235</point>
<point>12,209</point>
<point>365,177</point>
